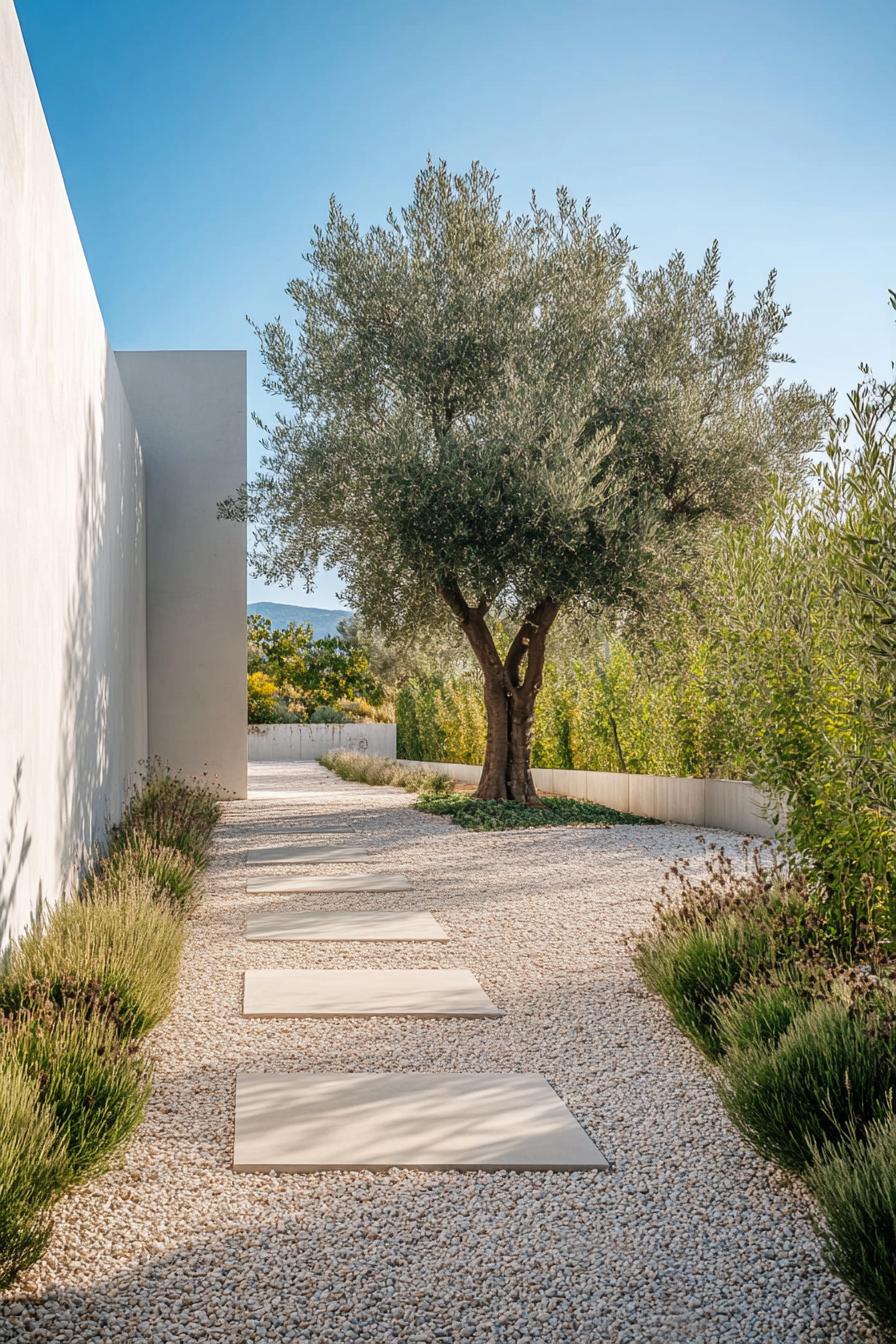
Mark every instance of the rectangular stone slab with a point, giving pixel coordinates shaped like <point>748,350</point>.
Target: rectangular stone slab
<point>350,882</point>
<point>337,853</point>
<point>427,1121</point>
<point>277,853</point>
<point>313,830</point>
<point>344,926</point>
<point>365,993</point>
<point>312,795</point>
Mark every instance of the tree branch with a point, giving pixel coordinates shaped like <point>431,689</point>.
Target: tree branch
<point>547,610</point>
<point>472,622</point>
<point>531,635</point>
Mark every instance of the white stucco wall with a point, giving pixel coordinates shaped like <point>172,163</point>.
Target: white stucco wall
<point>310,741</point>
<point>73,722</point>
<point>190,407</point>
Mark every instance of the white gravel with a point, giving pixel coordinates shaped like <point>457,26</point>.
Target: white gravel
<point>691,1237</point>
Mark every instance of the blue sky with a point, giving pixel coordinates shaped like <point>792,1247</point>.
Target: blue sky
<point>200,141</point>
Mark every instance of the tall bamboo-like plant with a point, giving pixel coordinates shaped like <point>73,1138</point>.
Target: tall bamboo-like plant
<point>806,610</point>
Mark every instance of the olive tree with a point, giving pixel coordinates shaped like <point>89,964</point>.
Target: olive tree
<point>488,416</point>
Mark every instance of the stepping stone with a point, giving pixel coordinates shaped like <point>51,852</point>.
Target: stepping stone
<point>360,926</point>
<point>319,826</point>
<point>282,853</point>
<point>309,795</point>
<point>321,854</point>
<point>427,1121</point>
<point>365,993</point>
<point>350,882</point>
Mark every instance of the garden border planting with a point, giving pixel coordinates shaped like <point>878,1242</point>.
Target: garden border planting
<point>78,993</point>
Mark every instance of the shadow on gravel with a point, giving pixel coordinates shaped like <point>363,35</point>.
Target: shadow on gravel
<point>308,1278</point>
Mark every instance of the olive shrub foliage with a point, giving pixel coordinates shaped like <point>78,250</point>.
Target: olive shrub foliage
<point>491,415</point>
<point>509,401</point>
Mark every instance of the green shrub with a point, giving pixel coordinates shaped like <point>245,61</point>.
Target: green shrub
<point>327,714</point>
<point>40,995</point>
<point>460,719</point>
<point>475,814</point>
<point>419,736</point>
<point>781,930</point>
<point>33,1170</point>
<point>140,858</point>
<point>74,996</point>
<point>265,703</point>
<point>830,1073</point>
<point>855,1186</point>
<point>693,969</point>
<point>651,707</point>
<point>805,609</point>
<point>172,812</point>
<point>381,770</point>
<point>93,1082</point>
<point>358,710</point>
<point>129,945</point>
<point>758,1014</point>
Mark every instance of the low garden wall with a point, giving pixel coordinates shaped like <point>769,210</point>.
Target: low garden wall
<point>717,804</point>
<point>310,741</point>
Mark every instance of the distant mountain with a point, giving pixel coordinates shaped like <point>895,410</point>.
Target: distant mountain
<point>280,614</point>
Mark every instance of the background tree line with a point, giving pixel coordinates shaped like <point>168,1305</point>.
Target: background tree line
<point>295,678</point>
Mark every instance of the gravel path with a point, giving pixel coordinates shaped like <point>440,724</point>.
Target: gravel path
<point>690,1238</point>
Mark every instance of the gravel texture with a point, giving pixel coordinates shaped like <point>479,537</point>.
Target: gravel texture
<point>690,1238</point>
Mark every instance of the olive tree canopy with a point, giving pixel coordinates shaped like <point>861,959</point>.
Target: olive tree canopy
<point>491,415</point>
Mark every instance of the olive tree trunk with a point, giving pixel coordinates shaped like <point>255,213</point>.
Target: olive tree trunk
<point>511,690</point>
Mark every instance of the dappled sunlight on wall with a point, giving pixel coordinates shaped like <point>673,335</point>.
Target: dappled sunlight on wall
<point>72,532</point>
<point>102,722</point>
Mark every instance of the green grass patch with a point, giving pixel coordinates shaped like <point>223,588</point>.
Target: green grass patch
<point>475,814</point>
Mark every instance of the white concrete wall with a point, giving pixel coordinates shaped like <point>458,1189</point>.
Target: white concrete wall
<point>717,804</point>
<point>73,722</point>
<point>310,741</point>
<point>190,407</point>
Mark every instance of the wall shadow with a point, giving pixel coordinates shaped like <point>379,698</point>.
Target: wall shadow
<point>102,720</point>
<point>72,774</point>
<point>15,851</point>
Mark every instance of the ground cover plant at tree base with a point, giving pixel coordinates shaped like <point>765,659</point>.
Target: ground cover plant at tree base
<point>478,814</point>
<point>437,797</point>
<point>495,418</point>
<point>77,993</point>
